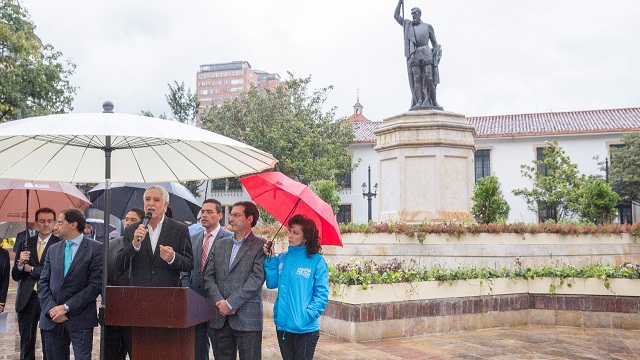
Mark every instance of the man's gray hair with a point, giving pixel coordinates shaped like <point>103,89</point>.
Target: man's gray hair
<point>160,189</point>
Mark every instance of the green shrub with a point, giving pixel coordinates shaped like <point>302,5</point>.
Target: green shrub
<point>488,204</point>
<point>597,202</point>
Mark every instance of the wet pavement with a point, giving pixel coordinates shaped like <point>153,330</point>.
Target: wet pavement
<point>526,342</point>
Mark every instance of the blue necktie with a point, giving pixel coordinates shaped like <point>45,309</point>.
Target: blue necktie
<point>68,255</point>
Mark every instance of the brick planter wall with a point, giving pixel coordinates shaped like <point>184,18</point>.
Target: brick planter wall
<point>365,322</point>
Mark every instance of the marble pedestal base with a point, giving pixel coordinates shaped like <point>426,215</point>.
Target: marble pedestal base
<point>426,167</point>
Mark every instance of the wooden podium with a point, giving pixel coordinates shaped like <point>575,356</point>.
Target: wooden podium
<point>163,319</point>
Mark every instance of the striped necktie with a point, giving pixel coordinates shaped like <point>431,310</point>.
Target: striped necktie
<point>205,247</point>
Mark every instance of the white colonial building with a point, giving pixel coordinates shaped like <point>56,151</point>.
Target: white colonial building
<point>503,144</point>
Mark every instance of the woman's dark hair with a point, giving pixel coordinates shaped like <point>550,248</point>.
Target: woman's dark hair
<point>309,233</point>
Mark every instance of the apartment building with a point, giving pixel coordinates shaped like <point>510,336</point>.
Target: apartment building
<point>217,83</point>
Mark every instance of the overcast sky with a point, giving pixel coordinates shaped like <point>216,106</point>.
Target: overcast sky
<point>499,56</point>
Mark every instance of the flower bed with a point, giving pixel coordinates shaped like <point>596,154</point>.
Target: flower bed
<point>367,273</point>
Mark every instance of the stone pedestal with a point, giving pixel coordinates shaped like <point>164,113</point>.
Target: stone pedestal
<point>426,167</point>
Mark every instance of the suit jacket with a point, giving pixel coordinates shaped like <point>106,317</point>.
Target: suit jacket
<point>79,289</point>
<point>147,267</point>
<point>194,278</point>
<point>27,280</point>
<point>20,237</point>
<point>114,276</point>
<point>4,275</point>
<point>240,284</point>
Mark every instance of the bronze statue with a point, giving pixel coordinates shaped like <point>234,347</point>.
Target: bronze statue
<point>422,60</point>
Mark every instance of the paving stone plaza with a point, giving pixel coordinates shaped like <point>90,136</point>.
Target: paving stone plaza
<point>526,342</point>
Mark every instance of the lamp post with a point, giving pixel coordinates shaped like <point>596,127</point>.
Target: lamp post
<point>368,194</point>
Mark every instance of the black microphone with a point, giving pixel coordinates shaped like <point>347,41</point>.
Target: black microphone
<point>145,222</point>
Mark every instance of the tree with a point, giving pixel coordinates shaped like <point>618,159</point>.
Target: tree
<point>32,80</point>
<point>624,171</point>
<point>288,122</point>
<point>327,191</point>
<point>597,202</point>
<point>183,104</point>
<point>556,184</point>
<point>488,204</point>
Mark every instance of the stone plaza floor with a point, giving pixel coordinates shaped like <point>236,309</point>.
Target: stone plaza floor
<point>527,342</point>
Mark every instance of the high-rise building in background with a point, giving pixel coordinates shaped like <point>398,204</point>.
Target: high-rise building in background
<point>217,83</point>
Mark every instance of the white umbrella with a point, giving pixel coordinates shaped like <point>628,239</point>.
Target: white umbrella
<point>105,147</point>
<point>71,148</point>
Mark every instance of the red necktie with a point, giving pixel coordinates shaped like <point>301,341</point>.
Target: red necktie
<point>205,247</point>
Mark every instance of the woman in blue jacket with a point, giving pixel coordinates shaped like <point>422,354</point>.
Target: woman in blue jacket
<point>300,274</point>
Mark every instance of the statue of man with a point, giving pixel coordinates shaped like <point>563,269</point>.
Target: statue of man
<point>422,60</point>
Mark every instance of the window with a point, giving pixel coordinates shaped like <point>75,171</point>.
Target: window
<point>482,161</point>
<point>625,212</point>
<point>228,184</point>
<point>344,180</point>
<point>540,157</point>
<point>344,214</point>
<point>545,211</point>
<point>235,184</point>
<point>612,151</point>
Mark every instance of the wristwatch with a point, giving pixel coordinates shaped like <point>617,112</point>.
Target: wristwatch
<point>66,308</point>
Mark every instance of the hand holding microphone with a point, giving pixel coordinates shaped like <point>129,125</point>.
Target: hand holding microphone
<point>144,224</point>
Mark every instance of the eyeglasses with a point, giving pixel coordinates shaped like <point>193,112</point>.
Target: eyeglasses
<point>236,215</point>
<point>46,221</point>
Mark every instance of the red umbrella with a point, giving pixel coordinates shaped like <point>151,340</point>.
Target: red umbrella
<point>283,197</point>
<point>19,197</point>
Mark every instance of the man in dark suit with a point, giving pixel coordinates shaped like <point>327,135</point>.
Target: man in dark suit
<point>118,338</point>
<point>202,243</point>
<point>71,281</point>
<point>233,281</point>
<point>24,235</point>
<point>158,253</point>
<point>4,277</point>
<point>26,271</point>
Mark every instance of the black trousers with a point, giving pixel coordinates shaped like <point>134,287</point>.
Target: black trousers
<point>204,336</point>
<point>28,326</point>
<point>117,342</point>
<point>228,343</point>
<point>297,346</point>
<point>59,338</point>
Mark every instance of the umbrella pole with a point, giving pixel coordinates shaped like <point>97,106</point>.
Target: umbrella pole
<point>105,244</point>
<point>285,219</point>
<point>26,225</point>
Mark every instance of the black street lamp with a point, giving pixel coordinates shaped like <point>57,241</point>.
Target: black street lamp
<point>369,195</point>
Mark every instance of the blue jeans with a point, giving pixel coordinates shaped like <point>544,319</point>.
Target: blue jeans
<point>297,346</point>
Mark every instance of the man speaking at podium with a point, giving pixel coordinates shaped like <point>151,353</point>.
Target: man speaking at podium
<point>158,248</point>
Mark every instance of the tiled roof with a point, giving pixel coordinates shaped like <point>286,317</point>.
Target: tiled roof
<point>572,122</point>
<point>358,117</point>
<point>363,131</point>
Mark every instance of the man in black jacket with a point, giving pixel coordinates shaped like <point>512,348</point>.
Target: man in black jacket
<point>26,271</point>
<point>118,338</point>
<point>157,253</point>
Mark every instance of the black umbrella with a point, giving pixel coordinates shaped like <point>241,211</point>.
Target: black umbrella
<point>125,196</point>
